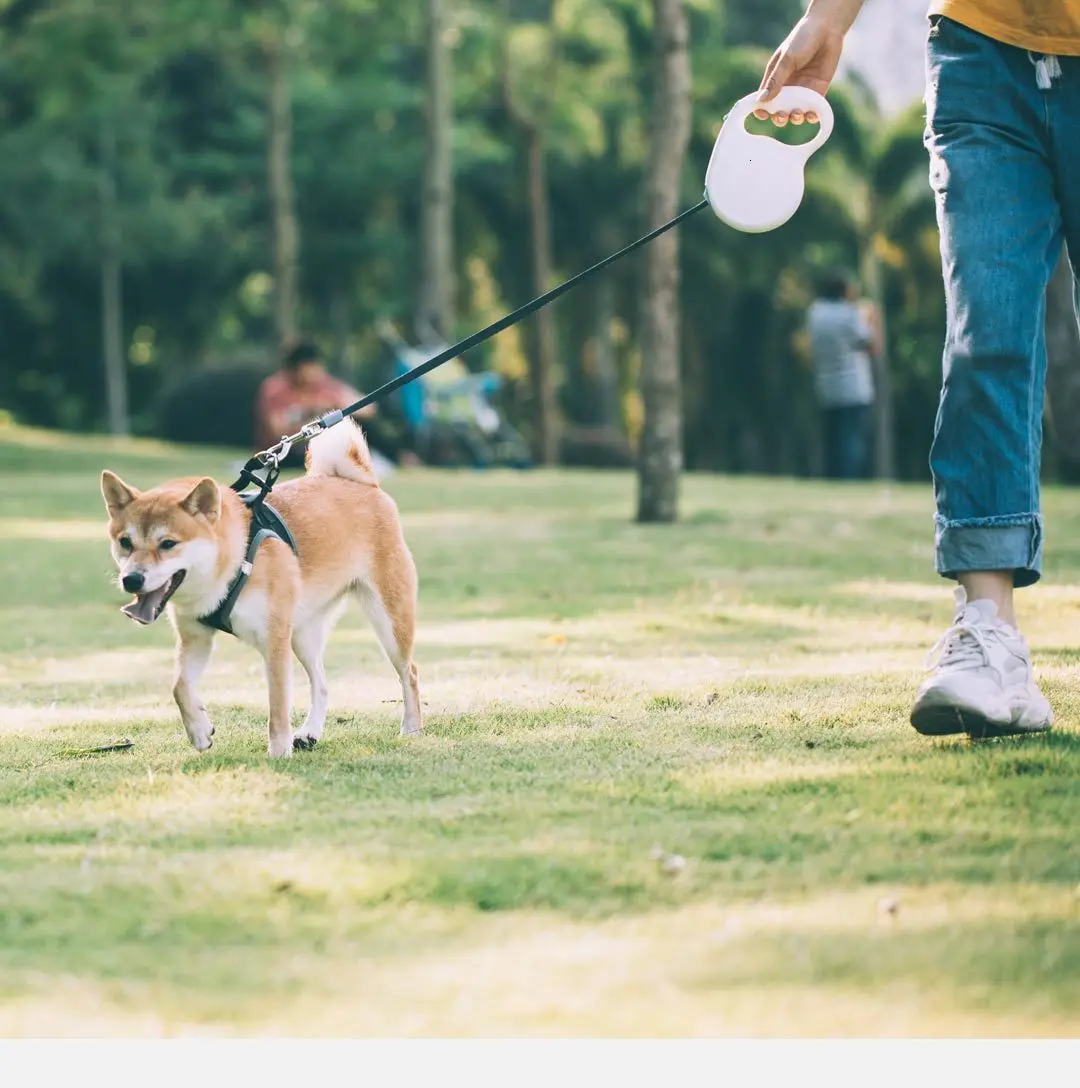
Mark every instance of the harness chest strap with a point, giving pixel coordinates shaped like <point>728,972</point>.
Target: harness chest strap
<point>266,523</point>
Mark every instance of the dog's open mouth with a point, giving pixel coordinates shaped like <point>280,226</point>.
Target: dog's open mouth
<point>146,607</point>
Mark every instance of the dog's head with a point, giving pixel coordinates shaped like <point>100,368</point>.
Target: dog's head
<point>159,537</point>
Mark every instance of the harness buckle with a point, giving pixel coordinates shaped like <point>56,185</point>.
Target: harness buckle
<point>277,453</point>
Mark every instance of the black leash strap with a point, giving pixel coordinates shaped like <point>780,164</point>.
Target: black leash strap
<point>270,459</point>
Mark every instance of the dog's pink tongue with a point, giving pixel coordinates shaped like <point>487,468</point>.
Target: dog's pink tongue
<point>144,608</point>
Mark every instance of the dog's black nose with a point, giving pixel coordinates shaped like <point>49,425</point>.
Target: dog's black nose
<point>133,582</point>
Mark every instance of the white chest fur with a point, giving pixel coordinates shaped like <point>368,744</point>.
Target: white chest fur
<point>251,616</point>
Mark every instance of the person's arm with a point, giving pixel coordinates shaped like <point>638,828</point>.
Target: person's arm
<point>810,54</point>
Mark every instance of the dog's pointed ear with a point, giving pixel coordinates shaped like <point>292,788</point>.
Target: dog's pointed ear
<point>117,494</point>
<point>204,498</point>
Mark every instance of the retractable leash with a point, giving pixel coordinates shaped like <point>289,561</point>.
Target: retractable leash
<point>753,183</point>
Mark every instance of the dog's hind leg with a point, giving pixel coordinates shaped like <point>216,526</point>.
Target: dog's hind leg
<point>389,602</point>
<point>309,644</point>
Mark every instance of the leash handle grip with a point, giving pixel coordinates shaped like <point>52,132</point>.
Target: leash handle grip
<point>794,98</point>
<point>756,183</point>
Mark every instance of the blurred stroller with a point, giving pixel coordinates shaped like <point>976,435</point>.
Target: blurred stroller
<point>450,412</point>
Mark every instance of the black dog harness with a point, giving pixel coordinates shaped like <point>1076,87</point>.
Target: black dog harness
<point>266,522</point>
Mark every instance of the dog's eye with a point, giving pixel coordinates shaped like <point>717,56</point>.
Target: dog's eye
<point>167,545</point>
<point>125,543</point>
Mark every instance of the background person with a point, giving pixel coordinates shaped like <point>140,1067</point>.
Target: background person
<point>843,337</point>
<point>303,389</point>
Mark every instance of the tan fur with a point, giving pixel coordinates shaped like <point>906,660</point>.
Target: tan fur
<point>350,543</point>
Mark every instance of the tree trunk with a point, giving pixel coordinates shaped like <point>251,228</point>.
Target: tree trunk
<point>112,303</point>
<point>660,456</point>
<point>1063,370</point>
<point>436,303</point>
<point>607,377</point>
<point>884,435</point>
<point>340,327</point>
<point>286,230</point>
<point>532,129</point>
<point>547,438</point>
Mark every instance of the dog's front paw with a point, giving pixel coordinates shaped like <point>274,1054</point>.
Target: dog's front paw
<point>277,751</point>
<point>302,743</point>
<point>202,739</point>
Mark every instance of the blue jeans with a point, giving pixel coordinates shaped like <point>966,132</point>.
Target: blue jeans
<point>847,441</point>
<point>1005,167</point>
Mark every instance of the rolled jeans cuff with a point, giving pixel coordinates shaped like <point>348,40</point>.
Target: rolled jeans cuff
<point>1012,542</point>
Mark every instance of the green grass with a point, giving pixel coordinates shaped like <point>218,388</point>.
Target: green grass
<point>734,689</point>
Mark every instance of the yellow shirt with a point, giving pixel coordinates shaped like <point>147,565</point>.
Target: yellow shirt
<point>1043,26</point>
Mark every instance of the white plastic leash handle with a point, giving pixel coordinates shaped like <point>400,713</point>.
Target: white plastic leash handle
<point>755,183</point>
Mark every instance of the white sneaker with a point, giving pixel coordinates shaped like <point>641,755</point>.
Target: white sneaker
<point>980,681</point>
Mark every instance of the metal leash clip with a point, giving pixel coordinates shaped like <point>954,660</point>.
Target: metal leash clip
<point>280,450</point>
<point>277,453</point>
<point>271,459</point>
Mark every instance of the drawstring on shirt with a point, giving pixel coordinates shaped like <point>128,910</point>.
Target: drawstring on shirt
<point>1047,69</point>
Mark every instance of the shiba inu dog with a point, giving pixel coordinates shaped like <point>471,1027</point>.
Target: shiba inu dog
<point>181,546</point>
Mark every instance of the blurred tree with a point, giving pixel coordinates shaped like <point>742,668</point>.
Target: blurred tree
<point>286,228</point>
<point>661,457</point>
<point>79,136</point>
<point>435,310</point>
<point>531,122</point>
<point>760,22</point>
<point>112,301</point>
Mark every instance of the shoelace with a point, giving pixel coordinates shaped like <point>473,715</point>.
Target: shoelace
<point>962,646</point>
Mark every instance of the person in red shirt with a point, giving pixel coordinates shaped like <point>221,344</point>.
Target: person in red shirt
<point>297,393</point>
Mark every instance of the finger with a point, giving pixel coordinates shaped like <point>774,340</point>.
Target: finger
<point>761,114</point>
<point>797,117</point>
<point>812,117</point>
<point>780,118</point>
<point>767,74</point>
<point>777,74</point>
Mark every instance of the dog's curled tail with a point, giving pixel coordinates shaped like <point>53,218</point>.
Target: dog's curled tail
<point>341,451</point>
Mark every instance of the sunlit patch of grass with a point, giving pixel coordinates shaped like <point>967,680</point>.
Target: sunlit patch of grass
<point>27,529</point>
<point>148,805</point>
<point>733,689</point>
<point>92,668</point>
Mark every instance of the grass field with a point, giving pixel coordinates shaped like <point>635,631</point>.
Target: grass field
<point>733,689</point>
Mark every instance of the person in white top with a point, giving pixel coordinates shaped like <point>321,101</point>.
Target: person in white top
<point>842,340</point>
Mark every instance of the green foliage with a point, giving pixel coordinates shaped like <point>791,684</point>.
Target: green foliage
<point>180,87</point>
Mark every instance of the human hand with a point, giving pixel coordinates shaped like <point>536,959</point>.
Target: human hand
<point>808,57</point>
